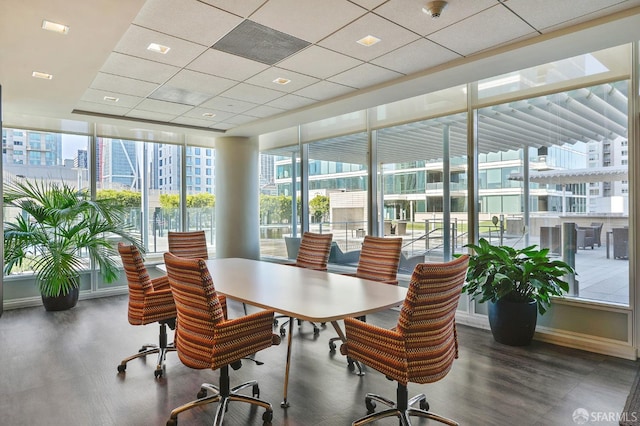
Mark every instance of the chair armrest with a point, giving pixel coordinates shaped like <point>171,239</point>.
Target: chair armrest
<point>159,305</point>
<point>160,282</point>
<point>240,337</point>
<point>372,338</point>
<point>379,348</point>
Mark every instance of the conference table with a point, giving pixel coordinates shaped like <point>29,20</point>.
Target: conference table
<point>300,293</point>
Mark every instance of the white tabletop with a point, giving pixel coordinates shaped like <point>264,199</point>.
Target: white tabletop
<point>301,293</point>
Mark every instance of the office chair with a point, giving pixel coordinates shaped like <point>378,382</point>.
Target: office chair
<point>313,254</point>
<point>192,245</point>
<point>422,346</point>
<point>379,260</point>
<point>150,300</point>
<point>205,339</point>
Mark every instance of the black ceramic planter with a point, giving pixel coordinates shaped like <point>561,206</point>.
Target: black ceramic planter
<point>61,303</point>
<point>513,323</point>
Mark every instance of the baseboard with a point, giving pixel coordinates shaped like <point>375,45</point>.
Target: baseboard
<point>567,339</point>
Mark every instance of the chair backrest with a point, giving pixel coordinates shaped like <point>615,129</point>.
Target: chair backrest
<point>427,318</point>
<point>192,245</point>
<point>138,281</point>
<point>198,308</point>
<point>379,258</point>
<point>314,251</point>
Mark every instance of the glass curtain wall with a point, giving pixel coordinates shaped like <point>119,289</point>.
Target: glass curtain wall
<point>553,168</point>
<point>42,157</point>
<point>338,193</point>
<point>146,177</point>
<point>278,226</point>
<point>424,187</point>
<point>200,188</point>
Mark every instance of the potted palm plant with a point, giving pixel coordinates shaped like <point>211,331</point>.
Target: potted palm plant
<point>517,284</point>
<point>56,234</point>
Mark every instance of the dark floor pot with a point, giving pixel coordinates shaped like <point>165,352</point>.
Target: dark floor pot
<point>61,303</point>
<point>513,323</point>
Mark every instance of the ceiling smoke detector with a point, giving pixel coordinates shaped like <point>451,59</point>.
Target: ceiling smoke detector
<point>434,8</point>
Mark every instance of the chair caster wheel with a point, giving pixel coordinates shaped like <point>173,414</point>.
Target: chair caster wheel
<point>158,373</point>
<point>267,417</point>
<point>332,347</point>
<point>283,332</point>
<point>122,368</point>
<point>255,391</point>
<point>424,405</point>
<point>275,322</point>
<point>201,394</point>
<point>172,422</point>
<point>316,331</point>
<point>371,405</point>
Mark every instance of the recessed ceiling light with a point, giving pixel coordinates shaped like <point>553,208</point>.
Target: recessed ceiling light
<point>111,99</point>
<point>281,81</point>
<point>155,47</point>
<point>42,75</point>
<point>56,28</point>
<point>208,114</point>
<point>368,40</point>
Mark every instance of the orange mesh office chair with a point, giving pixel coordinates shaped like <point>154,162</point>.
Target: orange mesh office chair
<point>423,345</point>
<point>192,245</point>
<point>313,254</point>
<point>150,300</point>
<point>379,260</point>
<point>205,339</point>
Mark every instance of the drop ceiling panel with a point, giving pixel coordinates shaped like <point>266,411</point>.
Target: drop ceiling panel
<point>266,79</point>
<point>136,40</point>
<point>289,102</point>
<point>187,19</point>
<point>229,105</point>
<point>549,13</point>
<point>200,83</point>
<point>308,20</point>
<point>369,4</point>
<point>119,84</point>
<point>251,93</point>
<point>163,107</point>
<point>408,13</point>
<point>324,90</point>
<point>392,36</point>
<point>416,56</point>
<point>137,68</point>
<point>492,27</point>
<point>219,115</point>
<point>319,62</point>
<point>124,101</point>
<point>242,8</point>
<point>260,43</point>
<point>365,75</point>
<point>226,65</point>
<point>264,111</point>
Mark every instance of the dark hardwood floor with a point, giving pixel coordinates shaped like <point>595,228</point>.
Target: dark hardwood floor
<point>60,369</point>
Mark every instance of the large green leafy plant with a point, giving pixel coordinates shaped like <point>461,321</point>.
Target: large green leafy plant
<point>517,275</point>
<point>59,229</point>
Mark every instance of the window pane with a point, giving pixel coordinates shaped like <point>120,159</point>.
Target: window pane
<point>338,200</point>
<point>415,159</point>
<point>276,200</point>
<point>571,144</point>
